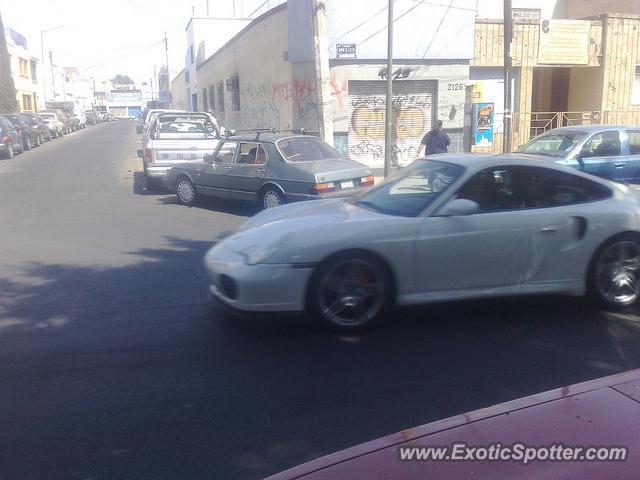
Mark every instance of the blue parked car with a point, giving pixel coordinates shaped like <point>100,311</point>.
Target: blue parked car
<point>608,151</point>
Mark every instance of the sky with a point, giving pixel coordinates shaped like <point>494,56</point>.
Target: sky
<point>107,37</point>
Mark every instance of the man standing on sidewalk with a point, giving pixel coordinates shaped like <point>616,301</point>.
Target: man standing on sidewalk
<point>435,141</point>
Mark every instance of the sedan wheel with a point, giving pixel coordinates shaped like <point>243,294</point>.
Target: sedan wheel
<point>615,273</point>
<point>9,153</point>
<point>271,198</point>
<point>186,191</point>
<point>350,293</point>
<point>26,145</point>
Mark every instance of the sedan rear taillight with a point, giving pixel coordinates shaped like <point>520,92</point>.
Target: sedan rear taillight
<point>5,139</point>
<point>367,181</point>
<point>320,188</point>
<point>148,157</point>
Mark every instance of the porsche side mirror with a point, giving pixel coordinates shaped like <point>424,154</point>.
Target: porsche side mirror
<point>459,207</point>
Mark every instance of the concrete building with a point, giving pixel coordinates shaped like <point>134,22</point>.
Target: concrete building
<point>205,35</point>
<point>24,70</point>
<point>273,74</point>
<point>291,68</point>
<point>78,90</point>
<point>179,92</point>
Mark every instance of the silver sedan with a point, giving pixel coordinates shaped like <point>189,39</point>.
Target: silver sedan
<point>445,228</point>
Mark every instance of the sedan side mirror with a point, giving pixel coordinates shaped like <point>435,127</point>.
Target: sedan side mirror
<point>459,207</point>
<point>208,158</point>
<point>139,129</point>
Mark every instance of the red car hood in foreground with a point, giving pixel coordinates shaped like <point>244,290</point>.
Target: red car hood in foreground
<point>602,412</point>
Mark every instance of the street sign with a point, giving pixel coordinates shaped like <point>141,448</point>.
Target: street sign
<point>346,50</point>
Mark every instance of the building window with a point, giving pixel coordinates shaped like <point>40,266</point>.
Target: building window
<point>24,68</point>
<point>212,98</point>
<point>34,73</point>
<point>205,101</point>
<point>191,53</point>
<point>233,85</point>
<point>526,13</point>
<point>635,92</point>
<point>27,105</point>
<point>186,76</point>
<point>220,97</point>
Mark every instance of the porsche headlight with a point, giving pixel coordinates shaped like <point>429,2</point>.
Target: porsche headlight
<point>260,253</point>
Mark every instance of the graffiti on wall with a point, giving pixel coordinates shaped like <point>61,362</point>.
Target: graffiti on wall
<point>264,102</point>
<point>412,114</point>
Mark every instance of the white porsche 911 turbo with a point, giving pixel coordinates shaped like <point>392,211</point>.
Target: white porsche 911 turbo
<point>444,228</point>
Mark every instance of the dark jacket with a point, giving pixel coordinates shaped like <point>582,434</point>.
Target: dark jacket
<point>436,141</point>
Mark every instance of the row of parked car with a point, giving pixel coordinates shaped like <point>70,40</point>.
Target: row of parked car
<point>20,132</point>
<point>193,156</point>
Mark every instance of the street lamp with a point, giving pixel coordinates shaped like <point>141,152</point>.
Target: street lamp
<point>42,32</point>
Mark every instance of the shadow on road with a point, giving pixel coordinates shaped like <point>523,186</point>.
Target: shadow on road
<point>166,197</point>
<point>127,372</point>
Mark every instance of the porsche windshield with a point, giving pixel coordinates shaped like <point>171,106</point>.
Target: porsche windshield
<point>413,190</point>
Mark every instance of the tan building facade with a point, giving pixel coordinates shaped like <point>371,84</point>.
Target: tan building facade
<point>566,72</point>
<point>24,70</point>
<point>249,84</point>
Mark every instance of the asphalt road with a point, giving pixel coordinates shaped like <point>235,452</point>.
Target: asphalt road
<point>113,364</point>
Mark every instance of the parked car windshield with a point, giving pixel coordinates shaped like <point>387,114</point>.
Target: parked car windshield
<point>186,124</point>
<point>553,144</point>
<point>304,149</point>
<point>48,116</point>
<point>413,190</point>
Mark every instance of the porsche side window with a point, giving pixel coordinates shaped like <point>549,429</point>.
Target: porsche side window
<point>552,188</point>
<point>494,189</point>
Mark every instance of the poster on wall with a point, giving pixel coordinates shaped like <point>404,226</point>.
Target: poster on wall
<point>484,124</point>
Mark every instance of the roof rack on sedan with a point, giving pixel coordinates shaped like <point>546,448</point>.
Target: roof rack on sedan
<point>259,131</point>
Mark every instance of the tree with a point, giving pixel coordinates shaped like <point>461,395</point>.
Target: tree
<point>8,103</point>
<point>122,79</point>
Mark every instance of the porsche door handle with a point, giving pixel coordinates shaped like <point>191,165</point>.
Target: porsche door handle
<point>551,229</point>
<point>261,170</point>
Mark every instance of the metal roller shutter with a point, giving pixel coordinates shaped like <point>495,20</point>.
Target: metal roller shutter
<point>413,111</point>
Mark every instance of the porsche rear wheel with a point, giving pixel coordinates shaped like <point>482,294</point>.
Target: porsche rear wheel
<point>614,273</point>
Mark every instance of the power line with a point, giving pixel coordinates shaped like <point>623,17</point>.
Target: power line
<point>361,24</point>
<point>444,15</point>
<point>451,6</point>
<point>262,5</point>
<point>394,21</point>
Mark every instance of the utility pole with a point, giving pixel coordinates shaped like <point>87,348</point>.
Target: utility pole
<point>53,81</point>
<point>166,54</point>
<point>42,75</point>
<point>323,86</point>
<point>388,129</point>
<point>508,35</point>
